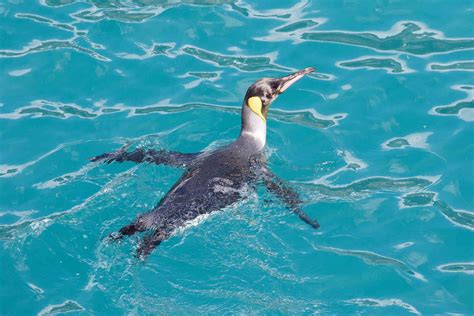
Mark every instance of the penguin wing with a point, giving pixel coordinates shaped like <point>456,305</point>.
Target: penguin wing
<point>171,158</point>
<point>287,195</point>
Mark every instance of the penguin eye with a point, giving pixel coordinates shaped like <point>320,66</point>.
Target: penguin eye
<point>268,95</point>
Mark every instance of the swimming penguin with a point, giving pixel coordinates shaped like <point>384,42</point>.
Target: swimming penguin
<point>213,180</point>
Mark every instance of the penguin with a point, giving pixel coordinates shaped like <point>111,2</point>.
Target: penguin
<point>215,179</point>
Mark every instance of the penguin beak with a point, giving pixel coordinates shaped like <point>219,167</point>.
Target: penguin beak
<point>285,82</point>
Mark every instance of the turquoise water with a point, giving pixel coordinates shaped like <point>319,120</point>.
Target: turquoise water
<point>379,143</point>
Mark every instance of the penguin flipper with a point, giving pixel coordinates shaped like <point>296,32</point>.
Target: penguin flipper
<point>171,158</point>
<point>288,195</point>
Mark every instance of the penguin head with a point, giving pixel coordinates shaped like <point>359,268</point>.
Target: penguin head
<point>263,92</point>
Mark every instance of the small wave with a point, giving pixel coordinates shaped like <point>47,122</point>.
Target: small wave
<point>291,31</point>
<point>23,229</point>
<point>293,13</point>
<point>67,306</point>
<point>200,77</point>
<point>373,258</point>
<point>462,65</point>
<point>352,163</point>
<point>404,245</point>
<point>364,187</point>
<point>463,109</point>
<point>36,289</point>
<point>136,11</point>
<point>41,108</point>
<point>242,63</point>
<point>65,178</point>
<point>155,49</point>
<point>19,72</point>
<point>392,65</point>
<point>415,140</point>
<point>38,46</point>
<point>12,170</point>
<point>417,199</point>
<point>457,267</point>
<point>409,37</point>
<point>460,218</point>
<point>50,22</point>
<point>21,215</point>
<point>373,302</point>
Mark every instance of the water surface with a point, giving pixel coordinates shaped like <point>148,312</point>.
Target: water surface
<point>379,143</point>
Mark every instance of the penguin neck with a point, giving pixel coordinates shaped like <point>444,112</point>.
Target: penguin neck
<point>254,129</point>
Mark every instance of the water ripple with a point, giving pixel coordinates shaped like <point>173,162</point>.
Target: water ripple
<point>457,267</point>
<point>417,199</point>
<point>373,302</point>
<point>38,46</point>
<point>200,77</point>
<point>462,65</point>
<point>409,37</point>
<point>136,11</point>
<point>373,258</point>
<point>463,109</point>
<point>50,22</point>
<point>40,108</point>
<point>292,31</point>
<point>415,140</point>
<point>392,65</point>
<point>365,187</point>
<point>13,170</point>
<point>460,218</point>
<point>66,307</point>
<point>153,50</point>
<point>242,63</point>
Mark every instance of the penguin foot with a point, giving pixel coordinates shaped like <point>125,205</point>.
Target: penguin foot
<point>149,243</point>
<point>118,155</point>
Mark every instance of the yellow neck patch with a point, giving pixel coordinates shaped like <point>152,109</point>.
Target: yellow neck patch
<point>255,104</point>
